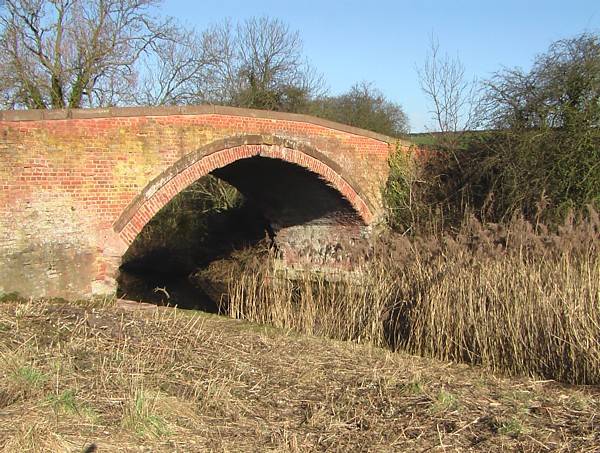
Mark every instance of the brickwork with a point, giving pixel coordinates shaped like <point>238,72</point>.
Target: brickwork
<point>77,186</point>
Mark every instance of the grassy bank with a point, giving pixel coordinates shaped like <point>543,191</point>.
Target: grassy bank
<point>165,380</point>
<point>515,298</point>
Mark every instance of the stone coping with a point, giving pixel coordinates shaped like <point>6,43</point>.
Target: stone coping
<point>123,112</point>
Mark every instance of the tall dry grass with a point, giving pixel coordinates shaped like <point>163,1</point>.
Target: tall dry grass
<point>312,304</point>
<point>514,298</point>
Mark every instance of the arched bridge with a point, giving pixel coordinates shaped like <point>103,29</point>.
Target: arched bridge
<point>77,186</point>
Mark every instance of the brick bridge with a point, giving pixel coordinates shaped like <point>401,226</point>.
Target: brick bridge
<point>77,186</point>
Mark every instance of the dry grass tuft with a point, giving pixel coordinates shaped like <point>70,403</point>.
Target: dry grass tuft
<point>38,437</point>
<point>141,414</point>
<point>20,377</point>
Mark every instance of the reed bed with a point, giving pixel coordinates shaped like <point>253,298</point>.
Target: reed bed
<point>516,298</point>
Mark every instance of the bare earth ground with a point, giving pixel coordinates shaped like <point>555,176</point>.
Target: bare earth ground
<point>168,380</point>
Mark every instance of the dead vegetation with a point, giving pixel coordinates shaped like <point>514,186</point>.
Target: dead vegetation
<point>516,298</point>
<point>168,380</point>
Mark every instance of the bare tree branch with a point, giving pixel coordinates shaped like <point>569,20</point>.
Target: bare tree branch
<point>64,53</point>
<point>258,63</point>
<point>452,96</point>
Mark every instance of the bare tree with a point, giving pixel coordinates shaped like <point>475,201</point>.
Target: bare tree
<point>258,63</point>
<point>452,96</point>
<point>220,47</point>
<point>562,85</point>
<point>175,72</point>
<point>76,53</point>
<point>70,53</point>
<point>544,159</point>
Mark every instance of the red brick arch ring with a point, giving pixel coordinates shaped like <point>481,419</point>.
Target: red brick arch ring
<point>220,153</point>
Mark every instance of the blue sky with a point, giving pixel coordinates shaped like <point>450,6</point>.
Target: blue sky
<point>382,41</point>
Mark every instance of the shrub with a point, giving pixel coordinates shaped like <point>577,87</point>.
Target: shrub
<point>540,155</point>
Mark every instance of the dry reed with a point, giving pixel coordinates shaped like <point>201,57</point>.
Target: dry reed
<point>514,298</point>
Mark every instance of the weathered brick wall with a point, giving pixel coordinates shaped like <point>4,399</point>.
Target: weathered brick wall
<point>77,186</point>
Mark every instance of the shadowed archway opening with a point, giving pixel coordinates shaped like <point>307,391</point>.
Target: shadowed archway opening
<point>245,207</point>
<point>287,194</point>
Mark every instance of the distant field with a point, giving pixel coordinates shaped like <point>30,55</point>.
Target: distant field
<point>168,380</point>
<point>423,138</point>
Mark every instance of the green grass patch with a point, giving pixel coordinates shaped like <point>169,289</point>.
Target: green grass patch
<point>28,376</point>
<point>141,418</point>
<point>444,402</point>
<point>512,427</point>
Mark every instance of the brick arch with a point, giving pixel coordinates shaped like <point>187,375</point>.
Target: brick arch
<point>221,153</point>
